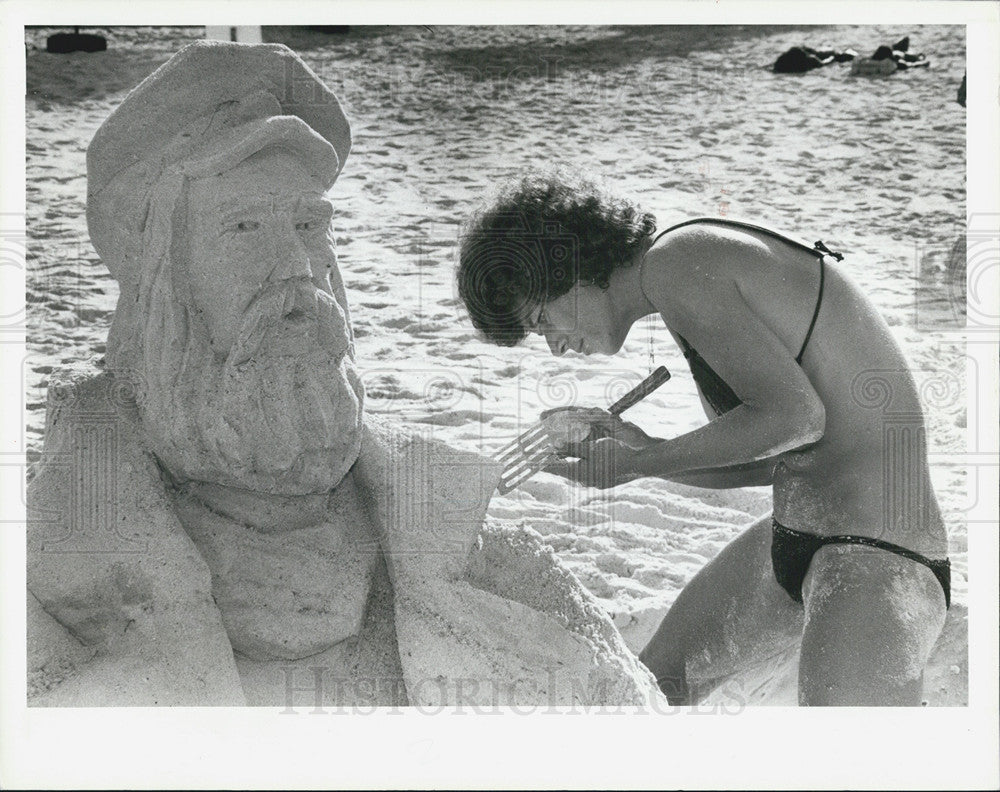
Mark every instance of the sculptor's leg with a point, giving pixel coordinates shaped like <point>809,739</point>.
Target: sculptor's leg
<point>732,614</point>
<point>872,618</point>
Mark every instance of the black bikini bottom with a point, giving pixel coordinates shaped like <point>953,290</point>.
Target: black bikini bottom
<point>792,552</point>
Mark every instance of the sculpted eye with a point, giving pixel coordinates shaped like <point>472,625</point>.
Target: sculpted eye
<point>247,225</point>
<point>312,225</point>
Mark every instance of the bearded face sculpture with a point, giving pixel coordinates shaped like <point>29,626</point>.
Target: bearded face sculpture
<point>245,348</point>
<point>207,202</point>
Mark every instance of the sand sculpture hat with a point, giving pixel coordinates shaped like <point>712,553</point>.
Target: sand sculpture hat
<point>209,107</point>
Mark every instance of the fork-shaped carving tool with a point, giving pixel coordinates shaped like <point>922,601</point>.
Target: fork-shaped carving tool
<point>534,449</point>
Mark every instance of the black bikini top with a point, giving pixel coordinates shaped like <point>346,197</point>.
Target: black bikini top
<point>717,393</point>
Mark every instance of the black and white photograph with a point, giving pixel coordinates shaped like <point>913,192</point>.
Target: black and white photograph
<point>436,363</point>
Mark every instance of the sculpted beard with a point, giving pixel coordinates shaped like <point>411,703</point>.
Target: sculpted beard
<point>281,415</point>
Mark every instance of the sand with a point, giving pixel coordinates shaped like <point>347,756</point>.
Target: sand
<point>688,121</point>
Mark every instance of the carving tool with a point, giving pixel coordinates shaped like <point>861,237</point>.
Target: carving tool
<point>534,449</point>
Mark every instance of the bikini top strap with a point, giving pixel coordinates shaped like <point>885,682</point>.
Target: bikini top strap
<point>819,302</point>
<point>817,249</point>
<point>667,231</point>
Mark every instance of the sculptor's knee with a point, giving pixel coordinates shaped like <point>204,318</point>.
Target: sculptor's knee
<point>668,670</point>
<point>871,622</point>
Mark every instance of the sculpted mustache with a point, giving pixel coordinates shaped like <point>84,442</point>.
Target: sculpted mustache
<point>289,300</point>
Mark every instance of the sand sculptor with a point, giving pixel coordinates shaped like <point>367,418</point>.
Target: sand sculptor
<point>214,513</point>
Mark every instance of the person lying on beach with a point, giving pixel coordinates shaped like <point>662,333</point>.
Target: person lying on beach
<point>805,390</point>
<point>889,59</point>
<point>902,59</point>
<point>803,58</point>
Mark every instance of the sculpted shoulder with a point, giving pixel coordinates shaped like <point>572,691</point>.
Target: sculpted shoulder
<point>92,420</point>
<point>110,563</point>
<point>96,491</point>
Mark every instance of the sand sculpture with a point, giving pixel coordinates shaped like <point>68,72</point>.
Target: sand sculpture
<point>215,520</point>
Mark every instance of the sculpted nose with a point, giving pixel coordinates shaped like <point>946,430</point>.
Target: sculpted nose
<point>292,258</point>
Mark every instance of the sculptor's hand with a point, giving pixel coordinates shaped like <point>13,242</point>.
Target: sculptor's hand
<point>603,463</point>
<point>622,431</point>
<point>570,426</point>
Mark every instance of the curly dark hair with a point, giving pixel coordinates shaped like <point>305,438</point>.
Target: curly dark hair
<point>533,243</point>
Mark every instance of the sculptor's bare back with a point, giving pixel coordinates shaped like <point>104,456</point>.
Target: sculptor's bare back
<point>852,361</point>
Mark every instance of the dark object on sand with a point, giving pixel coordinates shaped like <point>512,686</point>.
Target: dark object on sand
<point>62,43</point>
<point>797,60</point>
<point>889,59</point>
<point>332,29</point>
<point>802,59</point>
<point>903,59</point>
<point>961,91</point>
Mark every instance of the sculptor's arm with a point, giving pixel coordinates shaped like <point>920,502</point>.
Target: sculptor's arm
<point>751,474</point>
<point>696,293</point>
<point>780,410</point>
<point>754,474</point>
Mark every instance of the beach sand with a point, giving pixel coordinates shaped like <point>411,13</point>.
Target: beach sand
<point>689,121</point>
